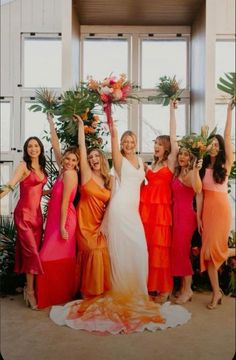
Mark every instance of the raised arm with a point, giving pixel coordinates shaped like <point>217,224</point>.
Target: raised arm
<point>20,172</point>
<point>196,181</point>
<point>115,149</point>
<point>227,139</point>
<point>70,180</point>
<point>85,169</point>
<point>54,140</point>
<point>173,140</point>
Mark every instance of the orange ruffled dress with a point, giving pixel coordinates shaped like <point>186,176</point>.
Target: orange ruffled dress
<point>216,219</point>
<point>155,211</point>
<point>93,262</point>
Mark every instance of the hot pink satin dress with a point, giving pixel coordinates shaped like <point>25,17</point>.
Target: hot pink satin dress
<point>184,225</point>
<point>58,256</point>
<point>29,225</point>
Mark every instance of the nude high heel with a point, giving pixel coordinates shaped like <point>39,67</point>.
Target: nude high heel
<point>217,301</point>
<point>182,299</point>
<point>162,298</point>
<point>30,299</point>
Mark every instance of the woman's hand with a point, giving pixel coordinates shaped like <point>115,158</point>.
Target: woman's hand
<point>199,226</point>
<point>78,119</point>
<point>50,117</point>
<point>173,104</point>
<point>64,233</point>
<point>198,164</point>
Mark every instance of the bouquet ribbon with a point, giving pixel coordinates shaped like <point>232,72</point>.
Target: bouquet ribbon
<point>107,110</point>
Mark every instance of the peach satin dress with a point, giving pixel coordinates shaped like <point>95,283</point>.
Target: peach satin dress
<point>216,219</point>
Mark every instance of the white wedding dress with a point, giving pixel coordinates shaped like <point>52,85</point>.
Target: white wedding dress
<point>126,308</point>
<point>125,234</point>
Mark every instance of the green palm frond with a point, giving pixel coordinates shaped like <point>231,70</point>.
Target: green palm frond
<point>168,89</point>
<point>76,101</point>
<point>45,101</point>
<point>228,86</point>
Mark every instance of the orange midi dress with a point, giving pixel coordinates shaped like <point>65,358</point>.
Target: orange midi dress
<point>155,211</point>
<point>216,221</point>
<point>93,262</point>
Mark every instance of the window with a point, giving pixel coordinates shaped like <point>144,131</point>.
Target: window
<point>35,124</point>
<point>155,122</point>
<point>5,126</point>
<point>144,59</point>
<point>225,57</point>
<point>163,57</point>
<point>42,62</point>
<point>101,57</point>
<point>5,171</point>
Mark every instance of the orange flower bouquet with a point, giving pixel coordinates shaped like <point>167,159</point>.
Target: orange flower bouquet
<point>112,90</point>
<point>198,144</point>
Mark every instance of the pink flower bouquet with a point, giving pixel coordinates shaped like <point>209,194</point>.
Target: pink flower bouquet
<point>111,90</point>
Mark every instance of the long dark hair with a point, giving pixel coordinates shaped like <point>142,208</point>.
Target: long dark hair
<point>219,171</point>
<point>27,158</point>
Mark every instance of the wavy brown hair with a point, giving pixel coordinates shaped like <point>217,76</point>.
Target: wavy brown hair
<point>165,141</point>
<point>27,158</point>
<point>191,160</point>
<point>104,167</point>
<point>219,171</point>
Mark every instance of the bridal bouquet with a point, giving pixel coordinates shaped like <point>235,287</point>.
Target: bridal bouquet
<point>111,90</point>
<point>198,144</point>
<point>168,89</point>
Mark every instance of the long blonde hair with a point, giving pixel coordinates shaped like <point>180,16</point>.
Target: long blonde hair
<point>124,135</point>
<point>71,150</point>
<point>104,167</point>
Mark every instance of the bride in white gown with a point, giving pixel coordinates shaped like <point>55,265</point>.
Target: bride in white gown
<point>127,307</point>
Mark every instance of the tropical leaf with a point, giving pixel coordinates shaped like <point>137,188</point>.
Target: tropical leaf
<point>168,89</point>
<point>45,101</point>
<point>228,86</point>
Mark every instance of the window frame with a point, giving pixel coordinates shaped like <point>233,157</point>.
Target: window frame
<point>34,35</point>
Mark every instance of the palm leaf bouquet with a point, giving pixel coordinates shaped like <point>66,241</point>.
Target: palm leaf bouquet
<point>198,144</point>
<point>45,101</point>
<point>228,85</point>
<point>168,89</point>
<point>76,101</point>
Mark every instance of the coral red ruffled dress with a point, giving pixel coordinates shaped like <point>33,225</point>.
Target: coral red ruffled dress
<point>155,211</point>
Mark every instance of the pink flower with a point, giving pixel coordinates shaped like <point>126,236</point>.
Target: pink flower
<point>104,98</point>
<point>126,89</point>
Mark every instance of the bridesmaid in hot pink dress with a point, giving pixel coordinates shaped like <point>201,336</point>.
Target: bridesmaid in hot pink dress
<point>32,176</point>
<point>58,253</point>
<point>184,185</point>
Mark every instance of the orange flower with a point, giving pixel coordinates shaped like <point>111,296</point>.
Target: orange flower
<point>95,118</point>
